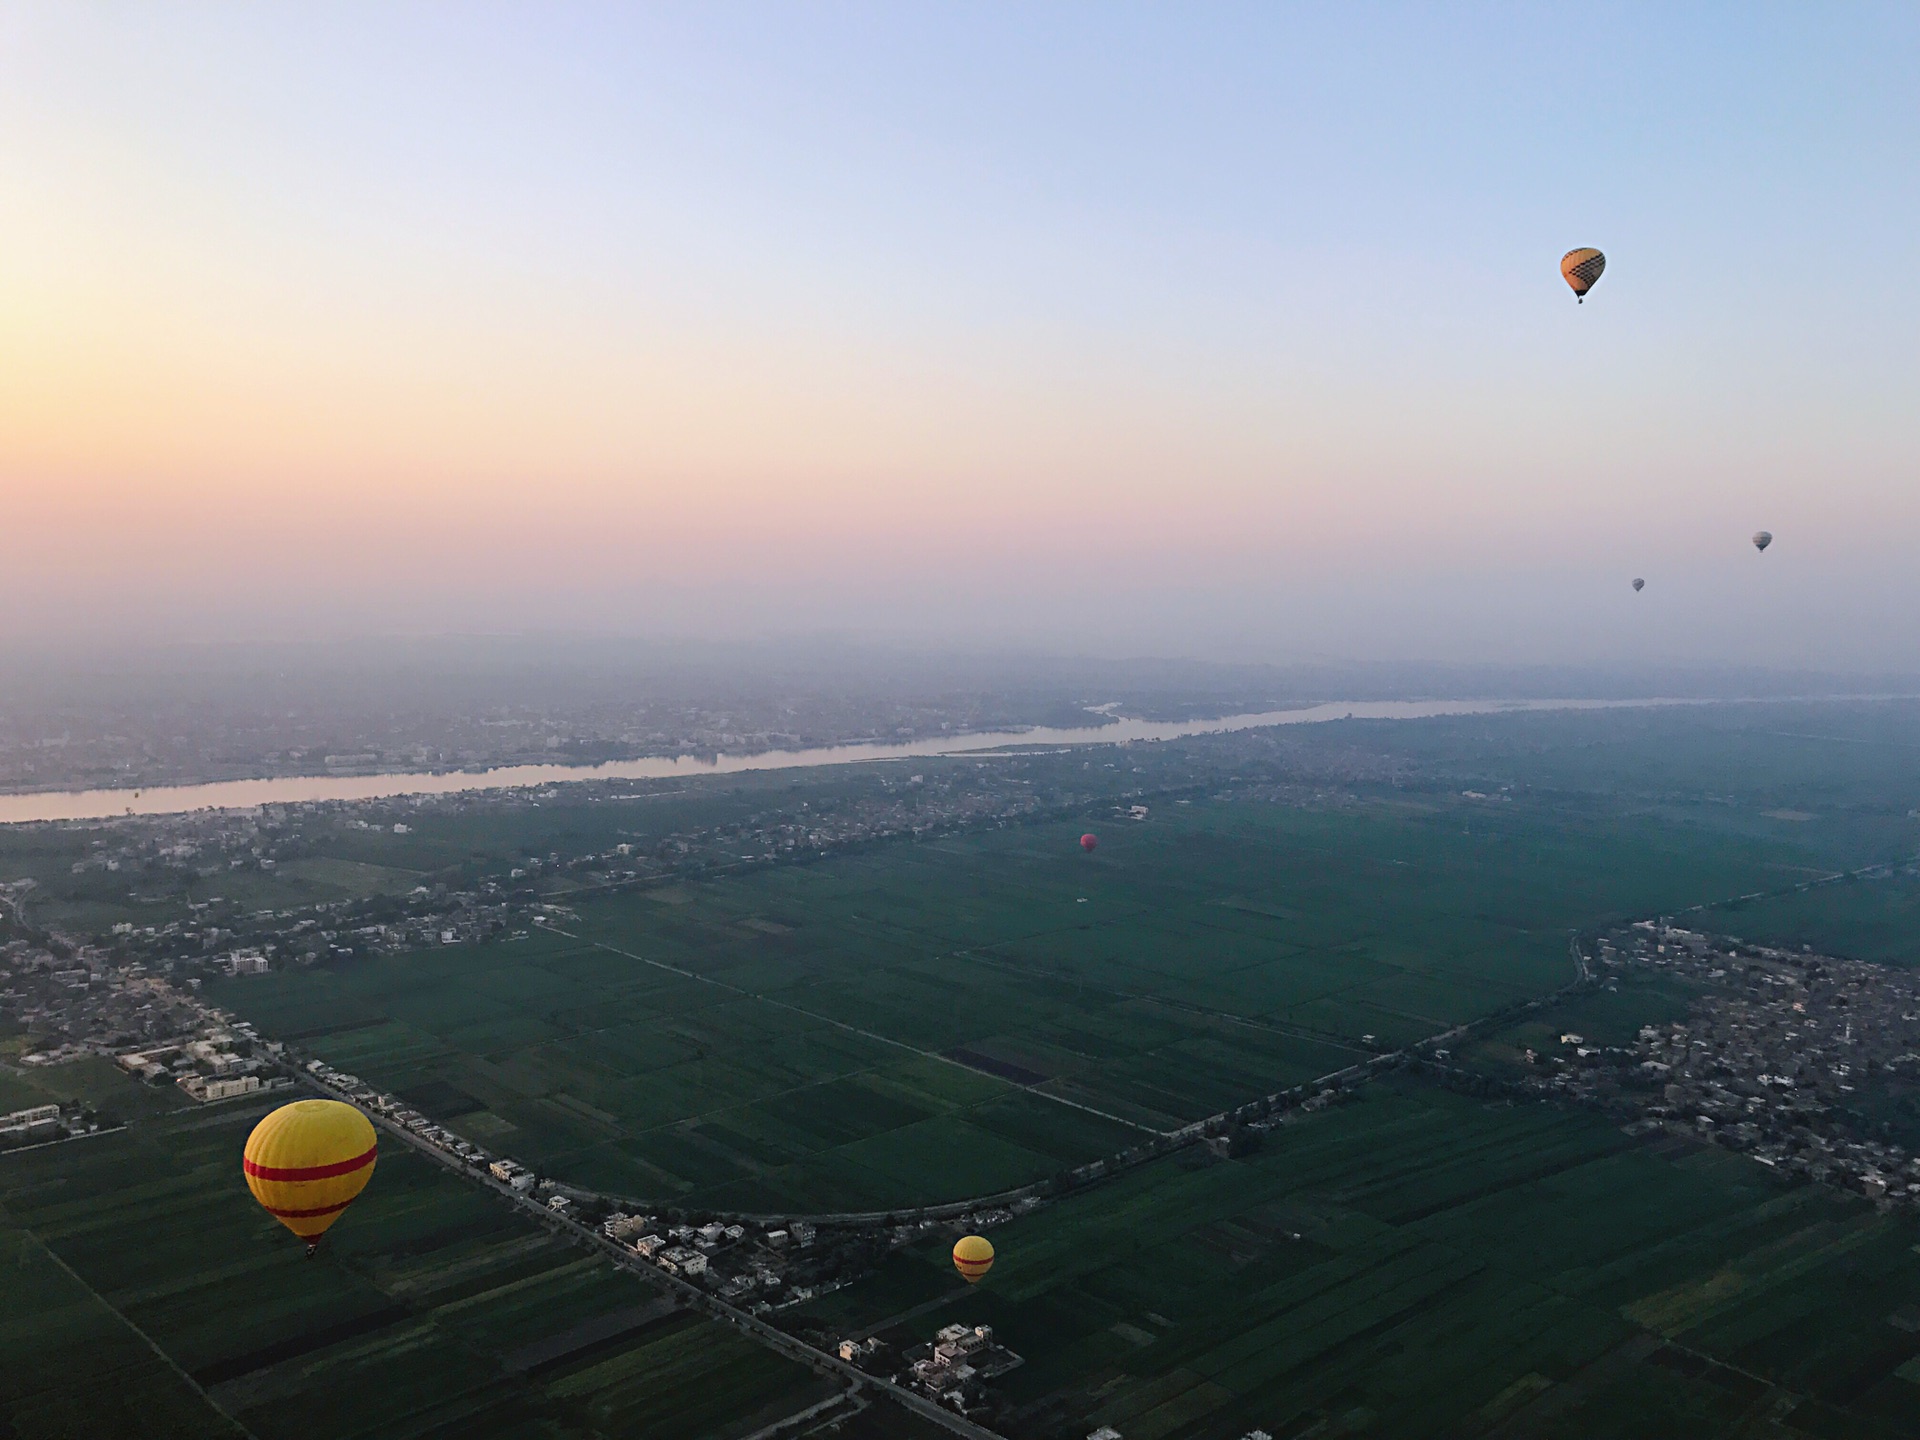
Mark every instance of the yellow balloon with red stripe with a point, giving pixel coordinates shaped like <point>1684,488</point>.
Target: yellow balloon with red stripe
<point>308,1161</point>
<point>973,1257</point>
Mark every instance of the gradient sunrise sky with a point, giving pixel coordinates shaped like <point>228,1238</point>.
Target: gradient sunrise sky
<point>1215,330</point>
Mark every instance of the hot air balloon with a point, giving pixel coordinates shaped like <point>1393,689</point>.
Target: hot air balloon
<point>307,1161</point>
<point>1639,585</point>
<point>1581,269</point>
<point>973,1257</point>
<point>1762,539</point>
<point>1087,843</point>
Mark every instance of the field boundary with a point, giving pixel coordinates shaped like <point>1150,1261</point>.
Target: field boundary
<point>852,1029</point>
<point>145,1338</point>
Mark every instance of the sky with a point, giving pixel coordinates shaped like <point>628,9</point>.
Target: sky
<point>1224,331</point>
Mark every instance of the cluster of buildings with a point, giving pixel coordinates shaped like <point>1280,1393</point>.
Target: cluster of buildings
<point>753,1267</point>
<point>956,1364</point>
<point>1787,1056</point>
<point>37,1124</point>
<point>217,936</point>
<point>226,1060</point>
<point>915,805</point>
<point>509,1173</point>
<point>76,999</point>
<point>201,843</point>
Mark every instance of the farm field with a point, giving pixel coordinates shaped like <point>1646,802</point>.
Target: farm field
<point>146,1295</point>
<point>1874,918</point>
<point>1419,1264</point>
<point>924,1022</point>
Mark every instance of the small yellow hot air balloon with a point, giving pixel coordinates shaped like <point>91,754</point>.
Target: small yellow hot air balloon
<point>973,1257</point>
<point>307,1161</point>
<point>1581,269</point>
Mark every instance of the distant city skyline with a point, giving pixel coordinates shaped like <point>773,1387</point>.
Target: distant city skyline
<point>1234,333</point>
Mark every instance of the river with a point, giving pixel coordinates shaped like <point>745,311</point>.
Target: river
<point>293,789</point>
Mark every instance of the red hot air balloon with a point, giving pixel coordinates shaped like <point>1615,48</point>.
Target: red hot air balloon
<point>1087,843</point>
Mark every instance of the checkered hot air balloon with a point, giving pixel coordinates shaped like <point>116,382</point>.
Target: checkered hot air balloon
<point>1581,269</point>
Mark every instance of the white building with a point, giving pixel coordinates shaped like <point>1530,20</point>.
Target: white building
<point>203,1089</point>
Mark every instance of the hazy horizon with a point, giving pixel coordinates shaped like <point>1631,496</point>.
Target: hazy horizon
<point>1231,335</point>
<point>493,669</point>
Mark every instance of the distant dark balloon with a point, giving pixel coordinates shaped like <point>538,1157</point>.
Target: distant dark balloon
<point>1581,269</point>
<point>1762,539</point>
<point>1087,842</point>
<point>1639,585</point>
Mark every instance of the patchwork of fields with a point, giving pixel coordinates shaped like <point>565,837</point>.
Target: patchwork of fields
<point>143,1289</point>
<point>1418,1264</point>
<point>927,1022</point>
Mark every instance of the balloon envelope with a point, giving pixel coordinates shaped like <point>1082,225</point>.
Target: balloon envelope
<point>306,1162</point>
<point>973,1257</point>
<point>1639,584</point>
<point>1762,539</point>
<point>1087,842</point>
<point>1581,269</point>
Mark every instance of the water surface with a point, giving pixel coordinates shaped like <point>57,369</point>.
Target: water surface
<point>293,789</point>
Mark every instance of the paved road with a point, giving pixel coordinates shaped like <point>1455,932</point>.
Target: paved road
<point>698,1299</point>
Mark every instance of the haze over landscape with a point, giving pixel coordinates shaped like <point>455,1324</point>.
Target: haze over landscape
<point>1085,329</point>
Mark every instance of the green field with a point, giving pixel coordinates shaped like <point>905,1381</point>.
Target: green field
<point>1418,1264</point>
<point>1873,918</point>
<point>146,1295</point>
<point>929,1021</point>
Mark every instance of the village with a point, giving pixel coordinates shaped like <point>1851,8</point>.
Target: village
<point>1787,1056</point>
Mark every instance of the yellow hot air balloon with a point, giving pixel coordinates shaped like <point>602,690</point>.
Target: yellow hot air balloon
<point>973,1257</point>
<point>1581,269</point>
<point>307,1161</point>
